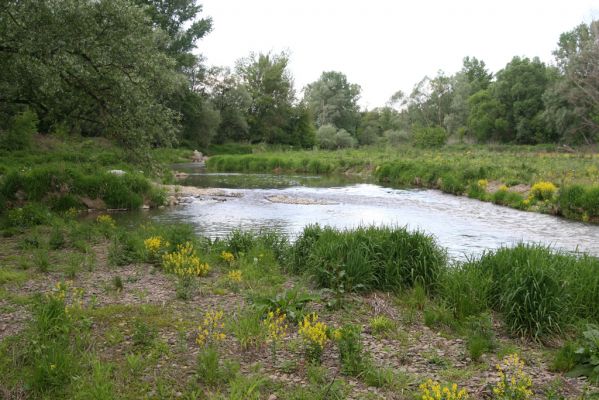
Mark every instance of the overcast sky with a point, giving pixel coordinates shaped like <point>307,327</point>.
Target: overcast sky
<point>388,45</point>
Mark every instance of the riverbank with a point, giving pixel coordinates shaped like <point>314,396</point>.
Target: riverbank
<point>567,184</point>
<point>126,320</point>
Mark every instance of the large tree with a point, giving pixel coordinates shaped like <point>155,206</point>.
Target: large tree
<point>472,78</point>
<point>519,88</point>
<point>573,101</point>
<point>270,86</point>
<point>232,99</point>
<point>95,66</point>
<point>333,100</point>
<point>179,20</point>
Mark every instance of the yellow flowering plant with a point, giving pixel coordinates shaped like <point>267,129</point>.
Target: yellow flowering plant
<point>276,326</point>
<point>106,224</point>
<point>184,262</point>
<point>514,383</point>
<point>227,257</point>
<point>211,329</point>
<point>155,247</point>
<point>234,276</point>
<point>543,190</point>
<point>431,390</point>
<point>314,335</point>
<point>483,183</point>
<point>69,296</point>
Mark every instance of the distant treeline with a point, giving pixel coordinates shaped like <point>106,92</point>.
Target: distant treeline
<point>129,70</point>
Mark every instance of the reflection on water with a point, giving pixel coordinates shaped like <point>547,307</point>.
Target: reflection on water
<point>464,226</point>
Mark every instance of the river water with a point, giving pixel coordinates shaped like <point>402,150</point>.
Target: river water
<point>464,226</point>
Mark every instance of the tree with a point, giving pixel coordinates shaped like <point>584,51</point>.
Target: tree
<point>472,78</point>
<point>487,117</point>
<point>95,66</point>
<point>270,86</point>
<point>573,100</point>
<point>519,88</point>
<point>333,100</point>
<point>430,100</point>
<point>232,99</point>
<point>179,20</point>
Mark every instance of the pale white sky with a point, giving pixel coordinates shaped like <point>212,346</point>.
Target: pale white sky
<point>388,45</point>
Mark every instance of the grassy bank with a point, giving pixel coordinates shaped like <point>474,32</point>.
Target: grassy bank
<point>76,174</point>
<point>93,309</point>
<point>501,174</point>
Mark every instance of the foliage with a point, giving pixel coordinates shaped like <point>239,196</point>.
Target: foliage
<point>211,330</point>
<point>572,99</point>
<point>333,100</point>
<point>314,335</point>
<point>291,303</point>
<point>276,325</point>
<point>107,77</point>
<point>350,349</point>
<point>586,356</point>
<point>514,383</point>
<point>370,258</point>
<point>20,134</point>
<point>429,137</point>
<point>381,325</point>
<point>184,262</point>
<point>543,190</point>
<point>269,84</point>
<point>431,390</point>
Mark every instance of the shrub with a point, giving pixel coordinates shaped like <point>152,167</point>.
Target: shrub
<point>27,216</point>
<point>429,137</point>
<point>21,131</point>
<point>344,140</point>
<point>325,137</point>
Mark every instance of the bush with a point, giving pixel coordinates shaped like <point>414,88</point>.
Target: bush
<point>429,137</point>
<point>21,131</point>
<point>325,137</point>
<point>344,140</point>
<point>31,214</point>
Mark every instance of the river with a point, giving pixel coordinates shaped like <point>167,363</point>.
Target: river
<point>464,226</point>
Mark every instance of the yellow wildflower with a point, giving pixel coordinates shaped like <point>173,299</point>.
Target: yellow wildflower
<point>514,383</point>
<point>234,276</point>
<point>184,262</point>
<point>106,220</point>
<point>431,390</point>
<point>227,257</point>
<point>543,190</point>
<point>210,330</point>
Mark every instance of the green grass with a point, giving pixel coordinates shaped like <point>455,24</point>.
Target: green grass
<point>369,258</point>
<point>537,290</point>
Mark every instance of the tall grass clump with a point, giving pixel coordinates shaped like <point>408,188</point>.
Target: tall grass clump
<point>537,290</point>
<point>579,202</point>
<point>369,258</point>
